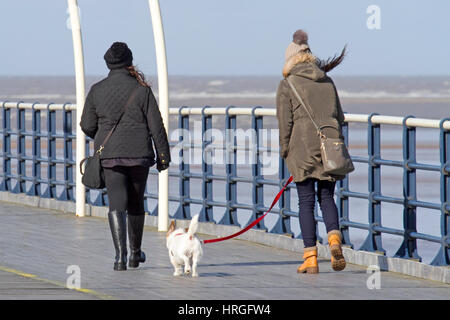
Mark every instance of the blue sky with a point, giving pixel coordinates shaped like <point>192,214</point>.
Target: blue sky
<point>233,37</point>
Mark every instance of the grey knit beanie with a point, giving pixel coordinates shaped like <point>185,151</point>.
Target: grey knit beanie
<point>299,44</point>
<point>300,37</point>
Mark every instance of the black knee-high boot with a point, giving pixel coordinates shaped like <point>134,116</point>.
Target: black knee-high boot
<point>118,224</point>
<point>135,231</point>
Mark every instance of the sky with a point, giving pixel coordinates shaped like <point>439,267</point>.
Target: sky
<point>233,37</point>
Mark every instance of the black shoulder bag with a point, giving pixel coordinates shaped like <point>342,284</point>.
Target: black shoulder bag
<point>335,157</point>
<point>93,176</point>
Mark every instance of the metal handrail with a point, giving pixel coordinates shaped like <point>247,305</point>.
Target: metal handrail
<point>360,118</point>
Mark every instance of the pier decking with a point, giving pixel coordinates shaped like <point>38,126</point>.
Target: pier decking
<point>38,245</point>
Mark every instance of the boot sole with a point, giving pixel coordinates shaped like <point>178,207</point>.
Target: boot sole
<point>120,266</point>
<point>337,258</point>
<point>310,270</point>
<point>135,263</point>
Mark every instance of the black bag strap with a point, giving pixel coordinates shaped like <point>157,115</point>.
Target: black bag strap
<point>81,166</point>
<point>130,99</point>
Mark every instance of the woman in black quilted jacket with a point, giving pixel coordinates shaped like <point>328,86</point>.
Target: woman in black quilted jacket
<point>128,154</point>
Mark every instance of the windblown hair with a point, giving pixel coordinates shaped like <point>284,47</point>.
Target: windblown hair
<point>138,75</point>
<point>331,63</point>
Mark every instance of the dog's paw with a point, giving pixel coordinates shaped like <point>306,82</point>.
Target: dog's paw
<point>177,273</point>
<point>194,274</point>
<point>187,270</point>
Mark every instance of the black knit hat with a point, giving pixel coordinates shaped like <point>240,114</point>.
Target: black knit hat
<point>118,56</point>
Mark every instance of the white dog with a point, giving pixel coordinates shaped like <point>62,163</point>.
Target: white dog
<point>184,248</point>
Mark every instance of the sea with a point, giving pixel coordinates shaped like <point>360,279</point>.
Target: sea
<point>420,96</point>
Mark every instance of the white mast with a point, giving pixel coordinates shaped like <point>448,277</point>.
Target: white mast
<point>80,93</point>
<point>163,94</point>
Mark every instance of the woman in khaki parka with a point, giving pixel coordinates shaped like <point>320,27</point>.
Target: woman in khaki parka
<point>300,143</point>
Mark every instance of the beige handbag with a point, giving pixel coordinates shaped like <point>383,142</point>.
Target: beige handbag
<point>335,157</point>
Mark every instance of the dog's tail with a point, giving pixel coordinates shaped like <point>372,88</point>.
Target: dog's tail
<point>193,226</point>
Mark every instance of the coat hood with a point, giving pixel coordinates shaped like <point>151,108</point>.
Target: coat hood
<point>303,65</point>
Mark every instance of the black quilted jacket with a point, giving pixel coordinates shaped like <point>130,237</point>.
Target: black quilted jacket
<point>140,125</point>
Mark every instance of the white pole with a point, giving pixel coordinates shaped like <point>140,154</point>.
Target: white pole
<point>80,92</point>
<point>163,92</point>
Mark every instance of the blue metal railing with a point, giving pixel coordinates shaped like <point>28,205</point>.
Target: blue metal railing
<point>35,156</point>
<point>63,157</point>
<point>408,248</point>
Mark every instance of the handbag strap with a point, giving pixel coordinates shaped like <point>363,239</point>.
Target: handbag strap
<point>319,129</point>
<point>303,104</point>
<point>130,98</point>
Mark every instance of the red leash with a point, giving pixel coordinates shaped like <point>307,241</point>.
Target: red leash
<point>254,222</point>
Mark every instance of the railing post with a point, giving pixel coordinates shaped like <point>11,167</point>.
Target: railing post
<point>373,241</point>
<point>67,193</point>
<point>51,153</point>
<point>35,189</point>
<point>283,223</point>
<point>21,170</point>
<point>184,211</point>
<point>87,191</point>
<point>6,183</point>
<point>230,215</point>
<point>342,200</point>
<point>443,256</point>
<point>102,198</point>
<point>408,248</point>
<point>257,188</point>
<point>206,214</point>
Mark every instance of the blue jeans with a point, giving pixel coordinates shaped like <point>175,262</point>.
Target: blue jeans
<point>306,202</point>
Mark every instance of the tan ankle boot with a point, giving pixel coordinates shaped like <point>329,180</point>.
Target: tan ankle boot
<point>310,264</point>
<point>337,258</point>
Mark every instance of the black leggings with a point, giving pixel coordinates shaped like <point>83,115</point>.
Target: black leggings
<point>306,202</point>
<point>125,187</point>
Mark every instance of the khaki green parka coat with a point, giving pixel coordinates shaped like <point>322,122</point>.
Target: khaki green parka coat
<point>298,137</point>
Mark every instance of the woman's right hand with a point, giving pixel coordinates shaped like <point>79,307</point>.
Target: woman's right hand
<point>161,167</point>
<point>162,163</point>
